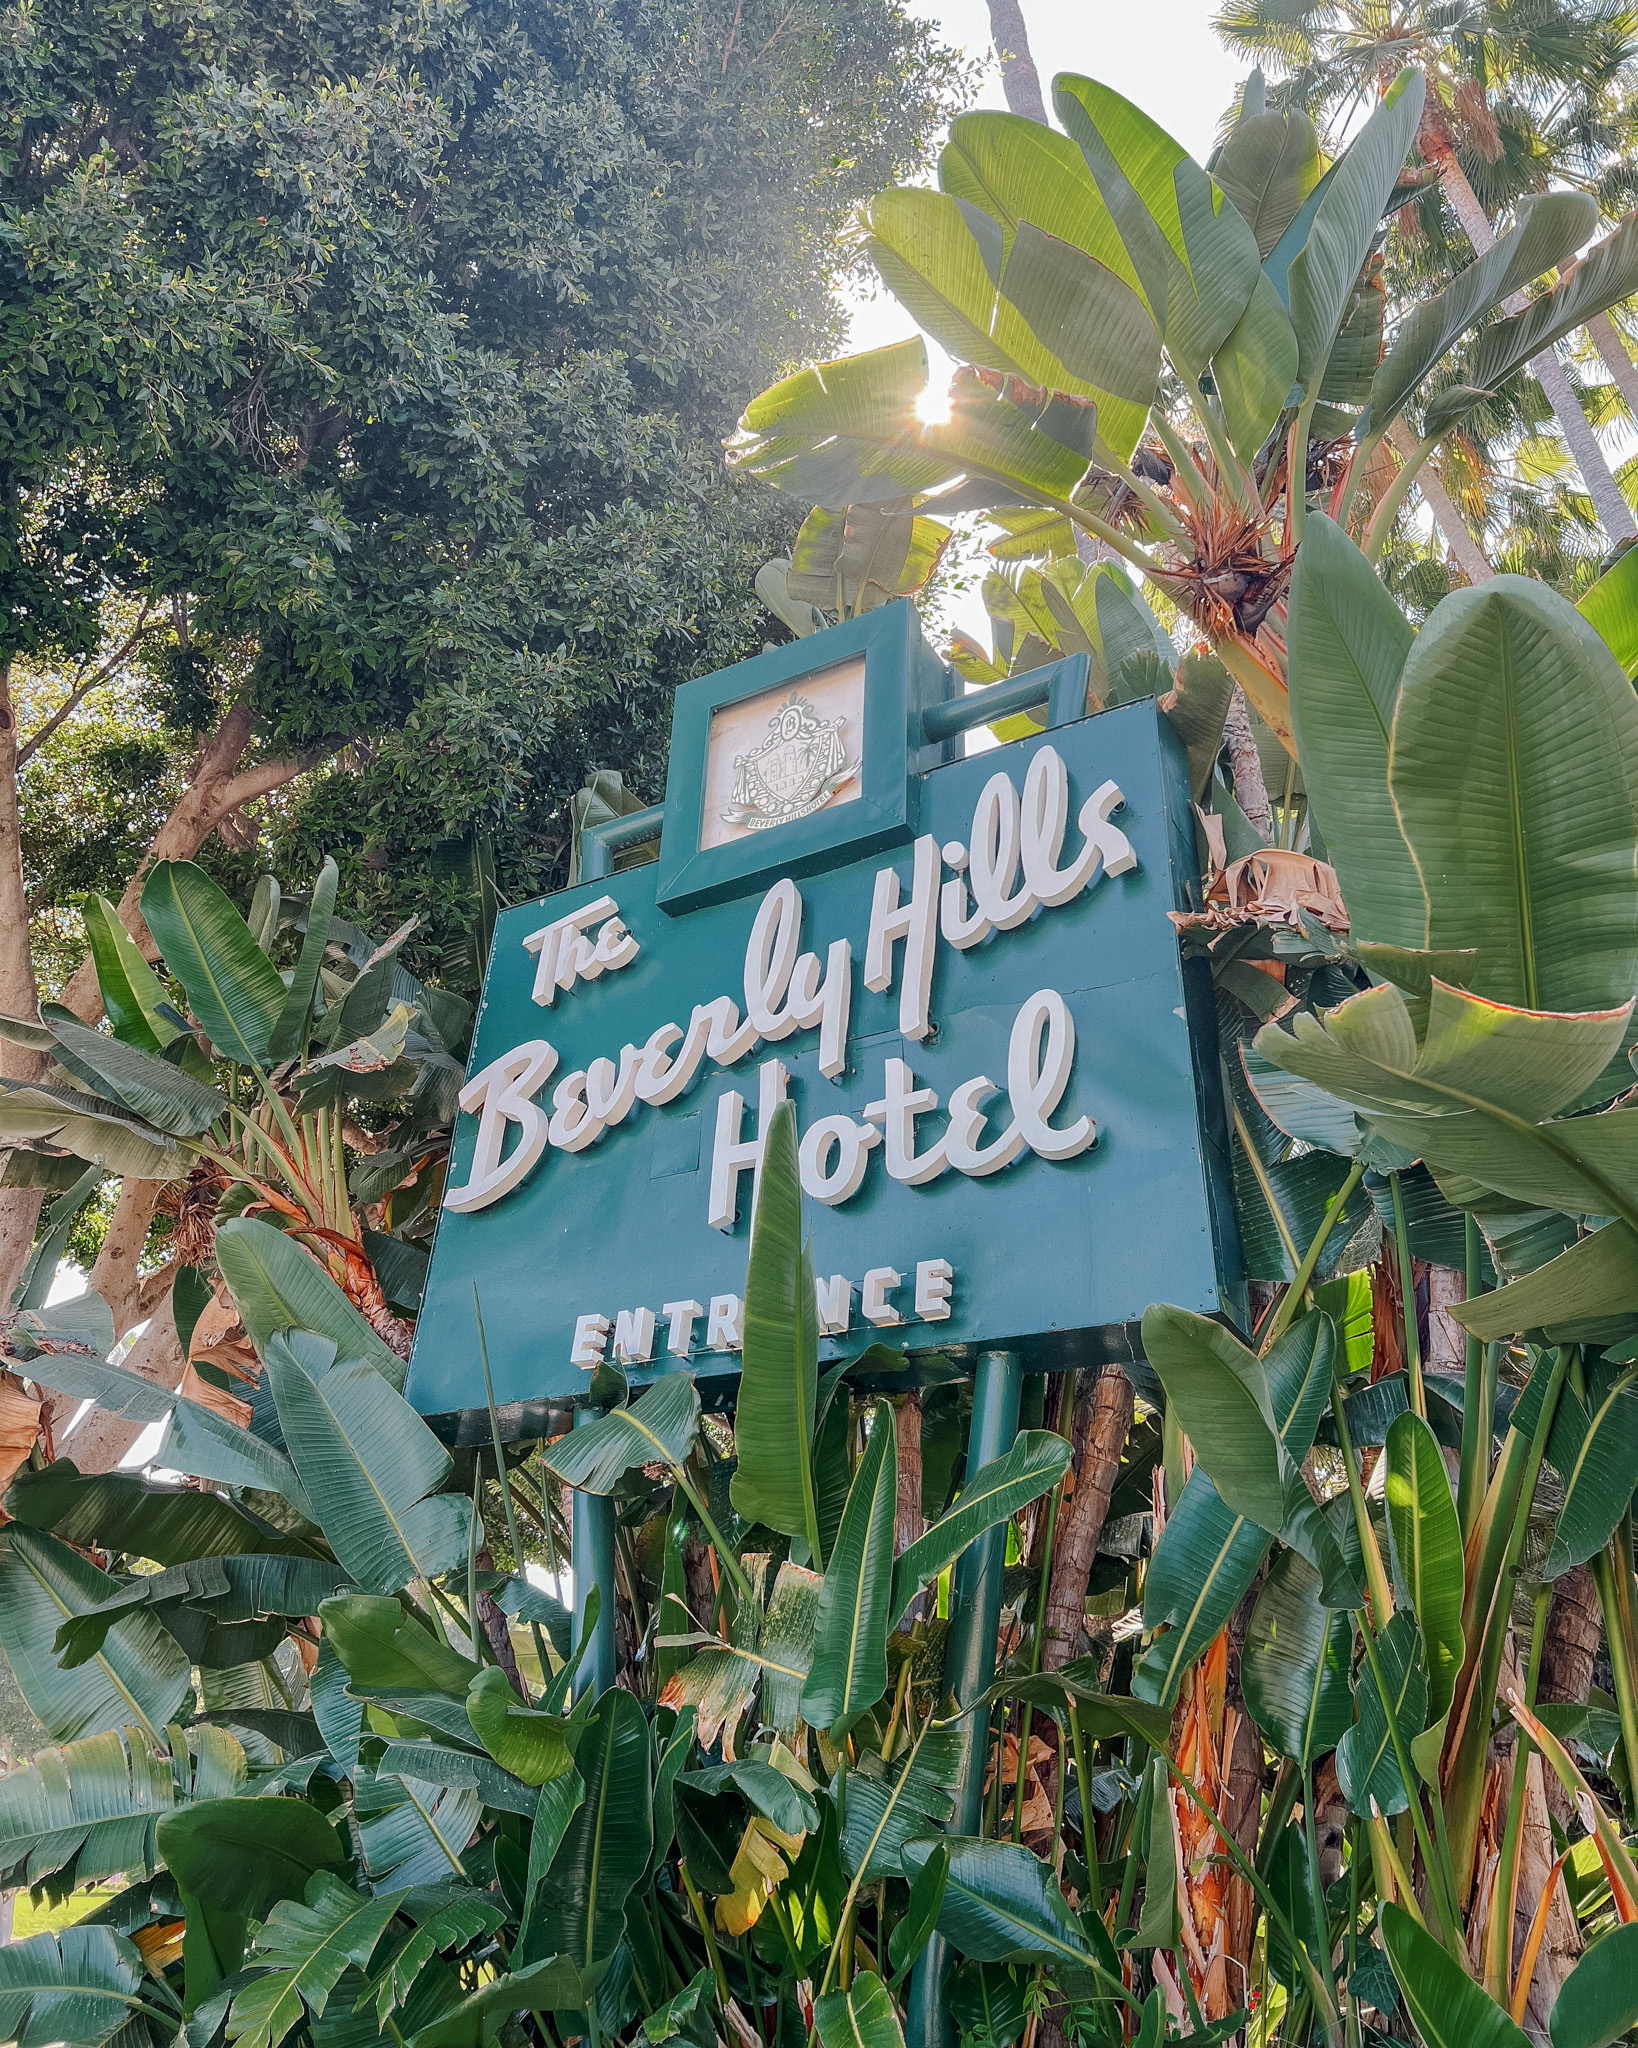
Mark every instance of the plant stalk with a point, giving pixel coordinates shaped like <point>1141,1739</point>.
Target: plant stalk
<point>1407,1299</point>
<point>1280,1321</point>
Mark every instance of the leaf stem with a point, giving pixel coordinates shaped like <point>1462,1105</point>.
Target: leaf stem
<point>1280,1321</point>
<point>1376,1578</point>
<point>1443,1905</point>
<point>1381,524</point>
<point>1317,1905</point>
<point>1407,1299</point>
<point>730,1563</point>
<point>704,1920</point>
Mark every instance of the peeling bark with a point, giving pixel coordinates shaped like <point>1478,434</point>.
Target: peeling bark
<point>1103,1415</point>
<point>1250,791</point>
<point>102,1439</point>
<point>1575,1627</point>
<point>116,1275</point>
<point>1447,1340</point>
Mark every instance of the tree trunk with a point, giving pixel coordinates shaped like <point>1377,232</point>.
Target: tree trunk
<point>1606,338</point>
<point>1250,791</point>
<point>1614,513</point>
<point>1447,1340</point>
<point>1575,1626</point>
<point>116,1275</point>
<point>1020,81</point>
<point>103,1439</point>
<point>1475,563</point>
<point>19,995</point>
<point>1103,1415</point>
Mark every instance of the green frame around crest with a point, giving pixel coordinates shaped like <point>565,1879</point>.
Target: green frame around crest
<point>903,676</point>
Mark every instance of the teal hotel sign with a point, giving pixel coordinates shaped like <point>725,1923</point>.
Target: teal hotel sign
<point>962,973</point>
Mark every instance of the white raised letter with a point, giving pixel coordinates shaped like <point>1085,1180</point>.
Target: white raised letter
<point>897,1113</point>
<point>634,1336</point>
<point>992,856</point>
<point>730,1155</point>
<point>933,1277</point>
<point>916,923</point>
<point>852,1141</point>
<point>565,954</point>
<point>497,1095</point>
<point>682,1316</point>
<point>591,1335</point>
<point>1038,1074</point>
<point>961,1136</point>
<point>722,1323</point>
<point>874,1305</point>
<point>770,955</point>
<point>825,1003</point>
<point>573,1125</point>
<point>834,1301</point>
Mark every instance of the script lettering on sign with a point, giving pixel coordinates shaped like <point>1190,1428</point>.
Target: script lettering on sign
<point>1012,867</point>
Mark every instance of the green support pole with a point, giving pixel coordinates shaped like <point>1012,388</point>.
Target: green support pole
<point>593,1565</point>
<point>969,1663</point>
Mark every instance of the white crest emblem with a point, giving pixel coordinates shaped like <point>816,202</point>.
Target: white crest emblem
<point>797,769</point>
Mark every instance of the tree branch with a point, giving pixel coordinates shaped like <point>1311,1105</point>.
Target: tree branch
<point>77,696</point>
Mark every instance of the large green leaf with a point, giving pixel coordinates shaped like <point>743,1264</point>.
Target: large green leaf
<point>1267,168</point>
<point>773,1423</point>
<point>580,1907</point>
<point>39,1275</point>
<point>307,1943</point>
<point>233,989</point>
<point>1610,607</point>
<point>1103,1716</point>
<point>1255,367</point>
<point>1599,2000</point>
<point>1323,274</point>
<point>1467,1098</point>
<point>277,1286</point>
<point>1514,770</point>
<point>1449,2009</point>
<point>79,1987</point>
<point>288,1040</point>
<point>1549,229</point>
<point>139,1675</point>
<point>1367,1762</point>
<point>1348,643</point>
<point>34,1113</point>
<point>1091,320</point>
<point>413,1832</point>
<point>1220,1393</point>
<point>883,1813</point>
<point>150,1087</point>
<point>1208,1556</point>
<point>361,1449</point>
<point>551,1985</point>
<point>1596,1277</point>
<point>1295,1667</point>
<point>1594,1450</point>
<point>197,1440</point>
<point>1001,1901</point>
<point>868,555</point>
<point>210,1604</point>
<point>95,1803</point>
<point>138,1009</point>
<point>1608,275</point>
<point>862,2016</point>
<point>524,1741</point>
<point>661,1428</point>
<point>1425,1539</point>
<point>1194,254</point>
<point>849,1671</point>
<point>1036,1462</point>
<point>244,1855</point>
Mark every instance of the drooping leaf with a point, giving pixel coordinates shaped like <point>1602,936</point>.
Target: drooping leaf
<point>244,1855</point>
<point>849,1671</point>
<point>1506,697</point>
<point>1036,1462</point>
<point>773,1422</point>
<point>1610,607</point>
<point>232,987</point>
<point>580,1907</point>
<point>39,1274</point>
<point>660,1427</point>
<point>527,1743</point>
<point>1255,368</point>
<point>886,1812</point>
<point>1597,1276</point>
<point>412,1832</point>
<point>913,1932</point>
<point>1549,228</point>
<point>163,1095</point>
<point>553,1984</point>
<point>867,556</point>
<point>1594,1450</point>
<point>1000,1901</point>
<point>1449,2009</point>
<point>1295,1668</point>
<point>140,1674</point>
<point>80,1987</point>
<point>359,1447</point>
<point>36,1113</point>
<point>385,1650</point>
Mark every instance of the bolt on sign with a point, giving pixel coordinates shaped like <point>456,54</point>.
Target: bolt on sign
<point>960,971</point>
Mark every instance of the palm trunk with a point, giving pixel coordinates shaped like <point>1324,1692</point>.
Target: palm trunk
<point>1614,513</point>
<point>1103,1415</point>
<point>1475,563</point>
<point>1612,350</point>
<point>1020,81</point>
<point>1250,790</point>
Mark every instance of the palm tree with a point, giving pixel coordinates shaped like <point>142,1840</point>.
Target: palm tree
<point>1515,97</point>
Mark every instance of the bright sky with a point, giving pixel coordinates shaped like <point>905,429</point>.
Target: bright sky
<point>1161,54</point>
